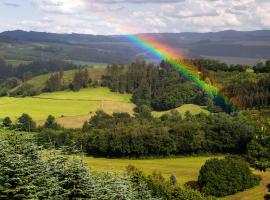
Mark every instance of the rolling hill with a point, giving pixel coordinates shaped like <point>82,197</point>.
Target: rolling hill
<point>236,47</point>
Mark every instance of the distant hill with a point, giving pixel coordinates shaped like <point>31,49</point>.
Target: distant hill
<point>244,47</point>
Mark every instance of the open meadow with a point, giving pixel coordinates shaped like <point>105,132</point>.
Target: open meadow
<point>184,168</point>
<point>70,108</point>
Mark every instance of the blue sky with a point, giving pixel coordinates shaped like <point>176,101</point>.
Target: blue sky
<point>106,16</point>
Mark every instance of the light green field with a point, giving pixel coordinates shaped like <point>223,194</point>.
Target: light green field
<point>192,108</point>
<point>184,168</point>
<point>71,108</point>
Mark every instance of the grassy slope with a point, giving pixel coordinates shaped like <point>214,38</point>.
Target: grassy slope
<point>185,168</point>
<point>39,81</point>
<point>76,107</point>
<point>192,108</point>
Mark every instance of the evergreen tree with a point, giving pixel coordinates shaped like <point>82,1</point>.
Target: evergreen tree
<point>51,123</point>
<point>26,123</point>
<point>7,122</point>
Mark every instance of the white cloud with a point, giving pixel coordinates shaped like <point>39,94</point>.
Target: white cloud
<point>110,16</point>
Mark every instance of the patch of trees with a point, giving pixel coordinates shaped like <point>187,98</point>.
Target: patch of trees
<point>24,123</point>
<point>25,174</point>
<point>262,67</point>
<point>215,65</point>
<point>24,71</point>
<point>222,177</point>
<point>159,87</point>
<point>160,188</point>
<point>55,82</point>
<point>122,135</point>
<point>247,94</point>
<point>8,85</point>
<point>80,80</point>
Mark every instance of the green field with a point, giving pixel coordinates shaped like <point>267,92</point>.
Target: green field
<point>184,168</point>
<point>71,108</point>
<point>192,108</point>
<point>39,82</point>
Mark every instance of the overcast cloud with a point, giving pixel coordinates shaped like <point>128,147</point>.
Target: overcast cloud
<point>124,16</point>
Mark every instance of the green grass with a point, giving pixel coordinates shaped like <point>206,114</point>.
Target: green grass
<point>184,168</point>
<point>39,81</point>
<point>192,108</point>
<point>76,107</point>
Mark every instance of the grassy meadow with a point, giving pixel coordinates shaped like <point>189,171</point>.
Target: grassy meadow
<point>70,108</point>
<point>192,108</point>
<point>184,168</point>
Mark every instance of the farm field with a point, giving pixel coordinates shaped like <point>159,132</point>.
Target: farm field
<point>184,168</point>
<point>192,108</point>
<point>70,108</point>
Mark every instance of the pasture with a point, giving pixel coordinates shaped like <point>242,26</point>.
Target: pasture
<point>192,108</point>
<point>184,168</point>
<point>70,108</point>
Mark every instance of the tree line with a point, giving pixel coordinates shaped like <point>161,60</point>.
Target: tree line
<point>34,68</point>
<point>215,65</point>
<point>159,87</point>
<point>121,135</point>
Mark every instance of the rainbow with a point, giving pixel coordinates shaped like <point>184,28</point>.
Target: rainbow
<point>159,51</point>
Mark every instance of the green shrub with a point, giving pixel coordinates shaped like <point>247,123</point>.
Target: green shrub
<point>225,177</point>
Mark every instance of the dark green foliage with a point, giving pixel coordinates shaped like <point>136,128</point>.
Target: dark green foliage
<point>25,174</point>
<point>262,67</point>
<point>80,80</point>
<point>162,189</point>
<point>157,86</point>
<point>26,123</point>
<point>258,153</point>
<point>7,122</point>
<point>54,83</point>
<point>51,123</point>
<point>26,89</point>
<point>226,176</point>
<point>173,180</point>
<point>35,68</point>
<point>120,135</point>
<point>247,93</point>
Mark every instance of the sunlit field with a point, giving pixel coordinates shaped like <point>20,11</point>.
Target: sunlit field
<point>73,106</point>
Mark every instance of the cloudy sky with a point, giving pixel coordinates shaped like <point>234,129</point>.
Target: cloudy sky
<point>125,16</point>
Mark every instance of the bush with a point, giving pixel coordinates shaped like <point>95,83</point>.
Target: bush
<point>225,177</point>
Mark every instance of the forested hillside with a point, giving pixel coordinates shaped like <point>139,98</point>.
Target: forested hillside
<point>229,46</point>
